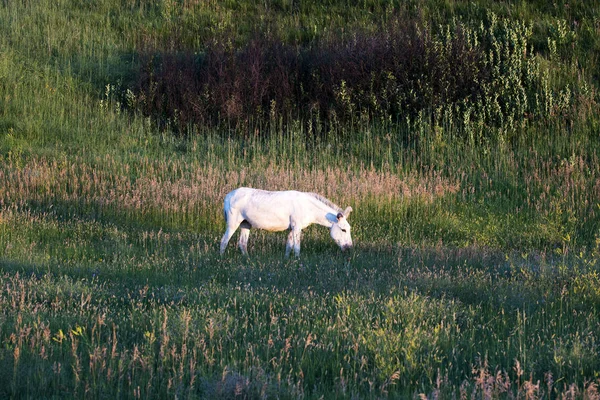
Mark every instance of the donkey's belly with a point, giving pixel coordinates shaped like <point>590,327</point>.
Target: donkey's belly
<point>269,222</point>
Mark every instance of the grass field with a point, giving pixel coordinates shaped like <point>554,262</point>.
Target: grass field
<point>476,216</point>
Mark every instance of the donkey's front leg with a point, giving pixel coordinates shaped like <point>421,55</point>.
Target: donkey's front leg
<point>293,241</point>
<point>289,244</point>
<point>296,234</point>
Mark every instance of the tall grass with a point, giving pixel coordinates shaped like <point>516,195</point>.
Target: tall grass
<point>476,216</point>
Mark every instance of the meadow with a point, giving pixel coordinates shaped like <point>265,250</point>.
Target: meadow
<point>465,135</point>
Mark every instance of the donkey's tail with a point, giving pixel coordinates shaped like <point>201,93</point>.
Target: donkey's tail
<point>226,207</point>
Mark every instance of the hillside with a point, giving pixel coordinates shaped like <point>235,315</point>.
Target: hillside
<point>464,134</point>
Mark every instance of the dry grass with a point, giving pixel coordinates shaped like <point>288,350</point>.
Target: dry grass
<point>178,187</point>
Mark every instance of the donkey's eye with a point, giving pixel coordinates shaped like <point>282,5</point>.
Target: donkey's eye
<point>343,230</point>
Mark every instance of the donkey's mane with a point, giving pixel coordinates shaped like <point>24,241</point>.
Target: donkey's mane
<point>326,201</point>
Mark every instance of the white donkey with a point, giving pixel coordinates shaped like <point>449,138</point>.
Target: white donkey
<point>278,211</point>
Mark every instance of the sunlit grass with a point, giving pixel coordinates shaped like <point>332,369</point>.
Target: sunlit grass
<point>475,272</point>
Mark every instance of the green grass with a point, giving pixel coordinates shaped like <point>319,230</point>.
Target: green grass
<point>475,271</point>
<point>180,320</point>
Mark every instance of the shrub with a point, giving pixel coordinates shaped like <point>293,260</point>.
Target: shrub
<point>478,78</point>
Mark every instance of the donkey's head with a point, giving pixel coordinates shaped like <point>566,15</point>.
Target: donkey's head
<point>340,230</point>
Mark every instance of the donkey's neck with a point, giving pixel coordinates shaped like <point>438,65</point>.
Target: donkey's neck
<point>324,214</point>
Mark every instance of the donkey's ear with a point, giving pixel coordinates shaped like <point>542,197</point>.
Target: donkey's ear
<point>340,216</point>
<point>347,211</point>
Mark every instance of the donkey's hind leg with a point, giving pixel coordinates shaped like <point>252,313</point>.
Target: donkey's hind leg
<point>232,226</point>
<point>225,240</point>
<point>244,234</point>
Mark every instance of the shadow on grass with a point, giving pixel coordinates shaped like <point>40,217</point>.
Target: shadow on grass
<point>181,260</point>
